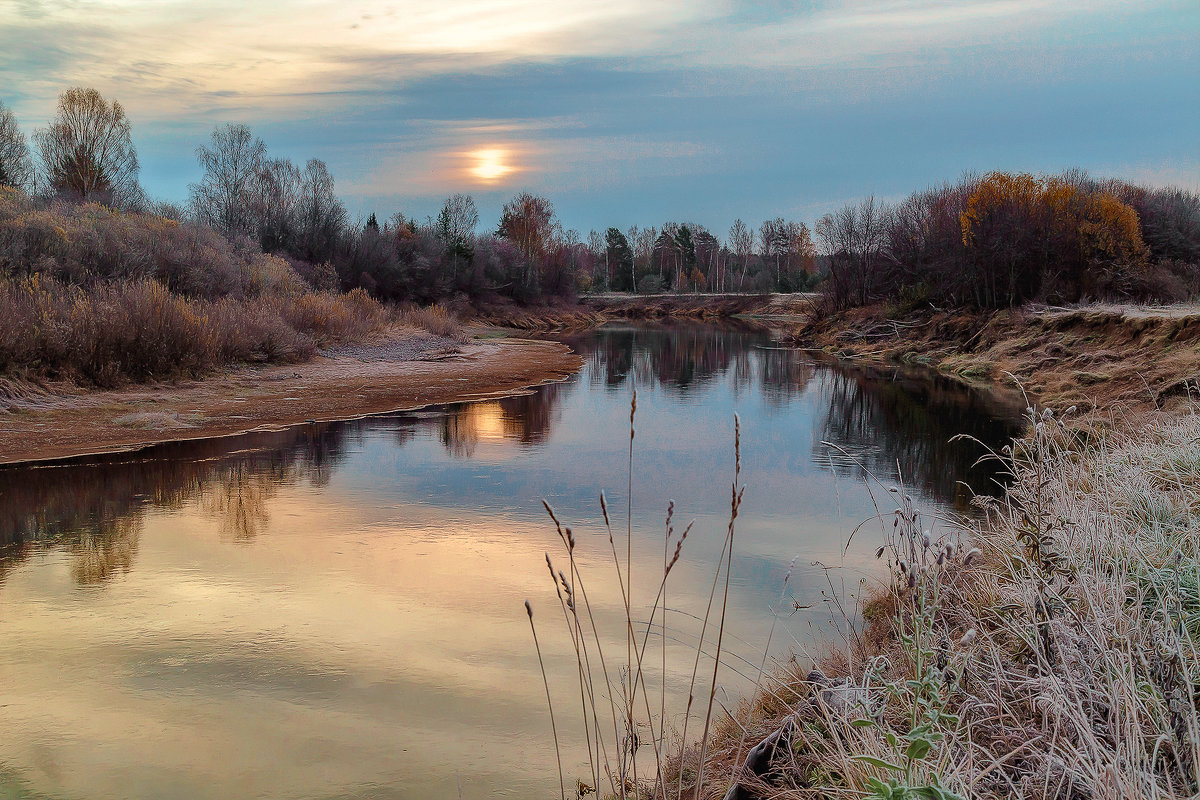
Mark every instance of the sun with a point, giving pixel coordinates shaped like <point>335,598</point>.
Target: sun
<point>490,164</point>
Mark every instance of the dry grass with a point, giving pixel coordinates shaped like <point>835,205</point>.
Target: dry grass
<point>111,333</point>
<point>1054,656</point>
<point>1045,650</point>
<point>435,319</point>
<point>156,420</point>
<point>623,709</point>
<point>1092,356</point>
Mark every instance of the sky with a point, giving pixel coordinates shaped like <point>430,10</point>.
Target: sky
<point>629,112</point>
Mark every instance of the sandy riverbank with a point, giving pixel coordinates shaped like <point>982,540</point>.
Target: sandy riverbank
<point>399,370</point>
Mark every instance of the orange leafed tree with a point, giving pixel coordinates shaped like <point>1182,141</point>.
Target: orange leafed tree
<point>1060,237</point>
<point>1003,227</point>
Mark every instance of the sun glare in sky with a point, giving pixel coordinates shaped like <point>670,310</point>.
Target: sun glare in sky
<point>490,165</point>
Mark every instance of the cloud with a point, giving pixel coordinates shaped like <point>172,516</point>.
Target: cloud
<point>653,104</point>
<point>172,58</point>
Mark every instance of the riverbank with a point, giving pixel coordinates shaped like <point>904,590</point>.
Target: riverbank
<point>1047,650</point>
<point>1097,358</point>
<point>398,368</point>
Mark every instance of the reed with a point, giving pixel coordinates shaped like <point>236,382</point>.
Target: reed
<point>613,753</point>
<point>549,703</point>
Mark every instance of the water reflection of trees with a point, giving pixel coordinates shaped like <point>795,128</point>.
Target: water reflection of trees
<point>93,509</point>
<point>899,424</point>
<point>526,418</point>
<point>688,358</point>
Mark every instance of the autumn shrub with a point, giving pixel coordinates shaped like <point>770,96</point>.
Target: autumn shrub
<point>90,243</point>
<point>257,334</point>
<point>103,296</point>
<point>328,317</point>
<point>137,330</point>
<point>436,319</point>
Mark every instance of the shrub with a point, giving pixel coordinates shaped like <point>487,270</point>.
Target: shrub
<point>90,243</point>
<point>107,334</point>
<point>435,319</point>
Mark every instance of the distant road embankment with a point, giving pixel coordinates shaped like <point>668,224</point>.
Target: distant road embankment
<point>596,309</point>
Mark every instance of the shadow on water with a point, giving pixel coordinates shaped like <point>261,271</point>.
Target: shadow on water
<point>877,420</point>
<point>902,425</point>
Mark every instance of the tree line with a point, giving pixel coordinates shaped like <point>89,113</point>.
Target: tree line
<point>86,154</point>
<point>1008,238</point>
<point>996,240</point>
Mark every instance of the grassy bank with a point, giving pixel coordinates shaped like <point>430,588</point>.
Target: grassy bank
<point>1045,650</point>
<point>1049,651</point>
<point>1090,356</point>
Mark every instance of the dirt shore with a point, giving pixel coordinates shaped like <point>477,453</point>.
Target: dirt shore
<point>399,371</point>
<point>1106,358</point>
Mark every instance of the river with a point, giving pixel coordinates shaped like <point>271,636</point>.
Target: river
<point>336,610</point>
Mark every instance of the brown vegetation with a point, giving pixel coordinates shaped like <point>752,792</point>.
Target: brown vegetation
<point>101,296</point>
<point>1005,239</point>
<point>1049,650</point>
<point>1091,356</point>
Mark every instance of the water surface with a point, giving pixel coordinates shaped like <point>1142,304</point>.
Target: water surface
<point>336,610</point>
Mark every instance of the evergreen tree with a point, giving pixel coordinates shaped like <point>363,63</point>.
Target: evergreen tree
<point>620,260</point>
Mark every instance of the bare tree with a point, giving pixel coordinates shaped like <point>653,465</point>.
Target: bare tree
<point>16,168</point>
<point>741,242</point>
<point>455,226</point>
<point>322,217</point>
<point>225,198</point>
<point>595,245</point>
<point>87,150</point>
<point>458,219</point>
<point>853,238</point>
<point>278,189</point>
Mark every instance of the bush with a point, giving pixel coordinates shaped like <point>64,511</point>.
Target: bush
<point>89,243</point>
<point>436,319</point>
<point>108,334</point>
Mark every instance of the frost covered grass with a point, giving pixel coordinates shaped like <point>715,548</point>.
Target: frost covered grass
<point>1046,651</point>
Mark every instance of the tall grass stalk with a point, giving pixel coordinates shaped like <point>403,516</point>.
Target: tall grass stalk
<point>735,503</point>
<point>549,703</point>
<point>613,754</point>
